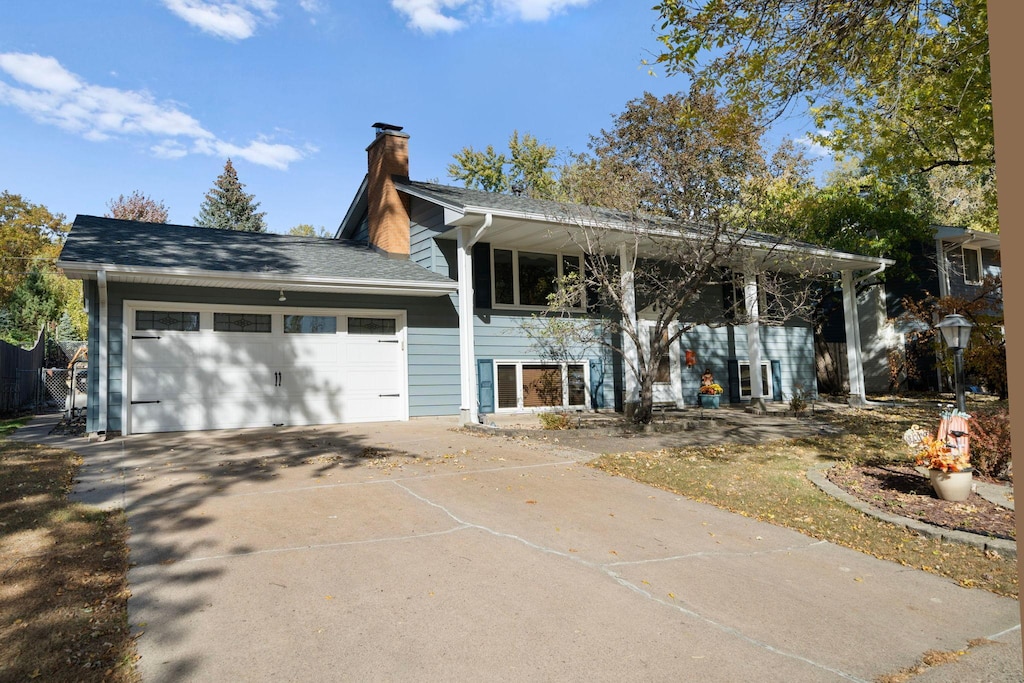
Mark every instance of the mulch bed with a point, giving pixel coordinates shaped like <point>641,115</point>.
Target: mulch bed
<point>902,491</point>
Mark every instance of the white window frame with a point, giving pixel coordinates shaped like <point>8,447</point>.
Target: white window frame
<point>766,365</point>
<point>981,268</point>
<point>564,365</point>
<point>515,278</point>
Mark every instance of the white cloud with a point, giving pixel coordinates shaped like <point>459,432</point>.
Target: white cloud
<point>233,20</point>
<point>538,10</point>
<point>427,15</point>
<point>448,16</point>
<point>55,96</point>
<point>813,146</point>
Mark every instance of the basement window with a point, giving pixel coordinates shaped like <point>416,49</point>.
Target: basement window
<point>526,385</point>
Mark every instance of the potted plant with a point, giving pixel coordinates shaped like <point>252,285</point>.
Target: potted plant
<point>949,468</point>
<point>710,395</point>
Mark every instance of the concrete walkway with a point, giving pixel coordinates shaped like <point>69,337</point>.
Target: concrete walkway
<point>412,551</point>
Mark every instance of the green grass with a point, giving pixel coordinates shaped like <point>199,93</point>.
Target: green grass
<point>768,482</point>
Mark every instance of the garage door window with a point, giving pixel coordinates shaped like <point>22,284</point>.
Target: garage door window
<point>371,325</point>
<point>167,321</point>
<point>241,322</point>
<point>310,324</point>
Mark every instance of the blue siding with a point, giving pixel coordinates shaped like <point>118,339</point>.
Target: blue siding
<point>426,221</point>
<point>433,339</point>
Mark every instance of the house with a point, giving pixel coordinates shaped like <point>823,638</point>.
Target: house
<point>414,309</point>
<point>955,263</point>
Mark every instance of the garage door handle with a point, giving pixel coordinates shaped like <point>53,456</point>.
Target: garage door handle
<point>135,403</point>
<point>142,336</point>
<point>388,395</point>
<point>277,379</point>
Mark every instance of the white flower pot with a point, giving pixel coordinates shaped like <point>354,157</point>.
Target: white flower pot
<point>955,486</point>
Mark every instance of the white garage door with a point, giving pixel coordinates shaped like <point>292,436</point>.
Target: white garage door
<point>191,368</point>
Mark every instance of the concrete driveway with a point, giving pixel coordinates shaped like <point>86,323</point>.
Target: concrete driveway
<point>409,551</point>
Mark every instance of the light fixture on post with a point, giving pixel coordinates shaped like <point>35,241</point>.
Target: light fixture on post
<point>956,331</point>
<point>282,297</point>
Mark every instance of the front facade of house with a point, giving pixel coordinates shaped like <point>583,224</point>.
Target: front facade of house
<point>419,307</point>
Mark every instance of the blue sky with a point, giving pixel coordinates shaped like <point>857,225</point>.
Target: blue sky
<point>99,99</point>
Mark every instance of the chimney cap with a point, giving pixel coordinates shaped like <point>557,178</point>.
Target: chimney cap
<point>382,127</point>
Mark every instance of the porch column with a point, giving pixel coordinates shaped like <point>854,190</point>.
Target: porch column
<point>854,363</point>
<point>103,418</point>
<point>630,353</point>
<point>750,298</point>
<point>468,408</point>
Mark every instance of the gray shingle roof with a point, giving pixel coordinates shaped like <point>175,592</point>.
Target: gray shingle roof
<point>462,198</point>
<point>95,240</point>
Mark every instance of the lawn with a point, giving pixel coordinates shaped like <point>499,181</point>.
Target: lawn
<point>768,482</point>
<point>63,574</point>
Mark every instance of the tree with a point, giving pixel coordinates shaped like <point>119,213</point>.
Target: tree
<point>137,207</point>
<point>307,230</point>
<point>681,174</point>
<point>30,234</point>
<point>686,155</point>
<point>228,207</point>
<point>903,84</point>
<point>526,169</point>
<point>35,302</point>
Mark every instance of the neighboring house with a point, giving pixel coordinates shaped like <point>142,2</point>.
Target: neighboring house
<point>954,264</point>
<point>414,309</point>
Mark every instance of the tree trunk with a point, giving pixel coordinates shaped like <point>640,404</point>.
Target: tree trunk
<point>645,410</point>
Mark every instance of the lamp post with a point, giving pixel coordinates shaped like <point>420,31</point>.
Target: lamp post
<point>956,330</point>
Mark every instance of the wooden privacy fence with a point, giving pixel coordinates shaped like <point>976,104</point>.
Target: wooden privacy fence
<point>19,375</point>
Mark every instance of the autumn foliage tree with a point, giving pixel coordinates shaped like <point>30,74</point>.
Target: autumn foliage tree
<point>137,207</point>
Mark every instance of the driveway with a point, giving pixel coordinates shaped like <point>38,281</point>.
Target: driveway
<point>410,551</point>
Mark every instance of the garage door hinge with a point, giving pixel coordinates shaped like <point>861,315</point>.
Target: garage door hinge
<point>388,395</point>
<point>387,341</point>
<point>142,336</point>
<point>135,403</point>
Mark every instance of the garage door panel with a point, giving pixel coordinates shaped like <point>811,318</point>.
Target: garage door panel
<point>222,380</point>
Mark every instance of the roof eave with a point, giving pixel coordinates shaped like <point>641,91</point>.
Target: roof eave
<point>191,277</point>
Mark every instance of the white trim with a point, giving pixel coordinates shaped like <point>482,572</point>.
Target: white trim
<point>297,283</point>
<point>981,265</point>
<point>765,365</point>
<point>564,365</point>
<point>103,361</point>
<point>206,311</point>
<point>516,294</point>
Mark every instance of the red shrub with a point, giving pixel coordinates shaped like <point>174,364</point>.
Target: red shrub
<point>990,443</point>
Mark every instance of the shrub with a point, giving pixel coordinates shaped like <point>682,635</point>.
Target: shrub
<point>990,443</point>
<point>555,421</point>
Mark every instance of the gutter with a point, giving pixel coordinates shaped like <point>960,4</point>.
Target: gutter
<point>268,281</point>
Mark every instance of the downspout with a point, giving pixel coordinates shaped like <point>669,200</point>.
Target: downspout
<point>101,426</point>
<point>469,409</point>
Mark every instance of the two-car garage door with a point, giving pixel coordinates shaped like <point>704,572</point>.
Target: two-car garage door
<point>192,367</point>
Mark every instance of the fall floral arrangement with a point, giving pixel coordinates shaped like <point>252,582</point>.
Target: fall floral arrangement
<point>712,389</point>
<point>938,455</point>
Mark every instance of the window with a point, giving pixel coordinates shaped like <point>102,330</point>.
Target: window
<point>523,278</point>
<point>310,324</point>
<point>523,385</point>
<point>972,265</point>
<point>371,326</point>
<point>241,322</point>
<point>766,379</point>
<point>167,321</point>
<point>662,368</point>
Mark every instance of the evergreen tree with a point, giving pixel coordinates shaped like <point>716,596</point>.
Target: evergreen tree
<point>228,207</point>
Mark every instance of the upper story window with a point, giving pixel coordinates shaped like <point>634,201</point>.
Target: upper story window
<point>972,265</point>
<point>525,279</point>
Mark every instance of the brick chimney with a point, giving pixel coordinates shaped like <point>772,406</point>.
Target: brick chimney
<point>387,156</point>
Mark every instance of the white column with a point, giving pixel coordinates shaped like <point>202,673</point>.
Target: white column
<point>630,354</point>
<point>468,408</point>
<point>750,298</point>
<point>854,361</point>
